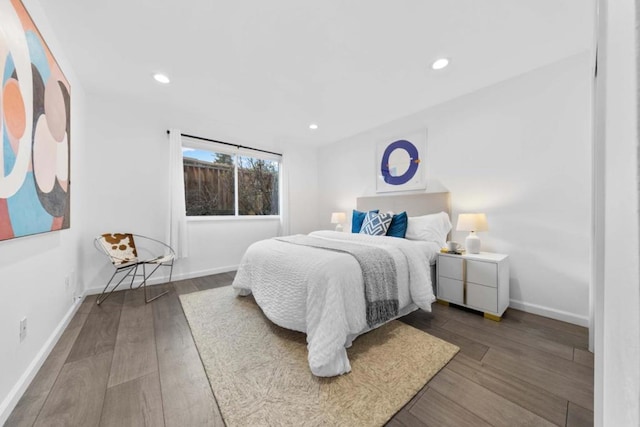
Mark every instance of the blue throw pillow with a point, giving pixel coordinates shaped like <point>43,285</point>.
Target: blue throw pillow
<point>376,224</point>
<point>398,227</point>
<point>357,219</point>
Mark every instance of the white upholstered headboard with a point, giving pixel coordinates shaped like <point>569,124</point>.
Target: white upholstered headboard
<point>413,204</point>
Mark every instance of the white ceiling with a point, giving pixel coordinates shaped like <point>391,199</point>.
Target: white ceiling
<point>280,65</point>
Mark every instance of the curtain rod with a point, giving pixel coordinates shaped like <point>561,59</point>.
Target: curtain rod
<point>228,143</point>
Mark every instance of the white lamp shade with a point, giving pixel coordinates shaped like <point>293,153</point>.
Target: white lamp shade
<point>338,218</point>
<point>472,222</point>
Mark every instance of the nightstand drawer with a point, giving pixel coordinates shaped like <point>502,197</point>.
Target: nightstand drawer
<point>450,290</point>
<point>450,267</point>
<point>484,273</point>
<point>482,298</point>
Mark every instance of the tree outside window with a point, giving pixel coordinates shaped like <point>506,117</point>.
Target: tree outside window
<point>257,186</point>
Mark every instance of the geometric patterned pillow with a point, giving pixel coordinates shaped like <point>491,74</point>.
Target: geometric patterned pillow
<point>357,220</point>
<point>376,224</point>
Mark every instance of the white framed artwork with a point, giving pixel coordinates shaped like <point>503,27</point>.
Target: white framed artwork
<point>400,162</point>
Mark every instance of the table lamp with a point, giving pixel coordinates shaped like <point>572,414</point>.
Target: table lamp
<point>472,222</point>
<point>338,218</point>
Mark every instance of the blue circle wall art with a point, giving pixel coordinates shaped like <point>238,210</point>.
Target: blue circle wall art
<point>400,163</point>
<point>414,161</point>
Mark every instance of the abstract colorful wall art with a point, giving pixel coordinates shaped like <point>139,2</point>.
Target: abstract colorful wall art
<point>400,162</point>
<point>35,128</point>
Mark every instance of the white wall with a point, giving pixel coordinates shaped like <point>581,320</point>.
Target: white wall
<point>518,151</point>
<point>34,268</point>
<point>128,160</point>
<point>617,347</point>
<point>119,161</point>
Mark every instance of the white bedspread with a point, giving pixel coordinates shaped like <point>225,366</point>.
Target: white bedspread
<point>321,292</point>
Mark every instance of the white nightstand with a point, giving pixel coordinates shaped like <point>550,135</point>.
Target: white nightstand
<point>477,281</point>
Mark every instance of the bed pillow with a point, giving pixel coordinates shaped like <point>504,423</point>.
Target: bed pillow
<point>398,227</point>
<point>430,228</point>
<point>357,219</point>
<point>376,224</point>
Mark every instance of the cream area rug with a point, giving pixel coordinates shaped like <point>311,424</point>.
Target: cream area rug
<point>259,373</point>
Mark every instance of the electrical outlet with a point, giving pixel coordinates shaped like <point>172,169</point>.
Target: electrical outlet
<point>23,329</point>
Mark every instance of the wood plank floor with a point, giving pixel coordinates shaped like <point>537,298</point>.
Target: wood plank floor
<point>127,363</point>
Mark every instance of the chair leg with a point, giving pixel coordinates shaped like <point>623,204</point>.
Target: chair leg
<point>144,284</point>
<point>100,298</point>
<point>133,277</point>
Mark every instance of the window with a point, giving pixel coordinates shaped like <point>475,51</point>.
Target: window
<point>222,183</point>
<point>257,186</point>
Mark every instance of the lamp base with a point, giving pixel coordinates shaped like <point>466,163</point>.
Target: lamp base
<point>339,227</point>
<point>472,243</point>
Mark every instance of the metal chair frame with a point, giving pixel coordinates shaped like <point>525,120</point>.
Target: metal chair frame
<point>133,267</point>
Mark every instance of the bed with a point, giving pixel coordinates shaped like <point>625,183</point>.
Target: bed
<point>319,291</point>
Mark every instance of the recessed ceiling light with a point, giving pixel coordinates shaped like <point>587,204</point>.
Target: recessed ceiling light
<point>161,78</point>
<point>313,126</point>
<point>439,64</point>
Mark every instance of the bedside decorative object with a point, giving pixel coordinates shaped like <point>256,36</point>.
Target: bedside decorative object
<point>457,252</point>
<point>400,162</point>
<point>338,218</point>
<point>477,281</point>
<point>472,222</point>
<point>453,246</point>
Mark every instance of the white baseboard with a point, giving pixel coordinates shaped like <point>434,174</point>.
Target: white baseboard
<point>160,279</point>
<point>10,402</point>
<point>552,313</point>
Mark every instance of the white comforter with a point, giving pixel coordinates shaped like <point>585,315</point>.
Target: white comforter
<point>321,292</point>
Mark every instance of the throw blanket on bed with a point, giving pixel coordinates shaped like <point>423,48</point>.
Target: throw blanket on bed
<point>378,273</point>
